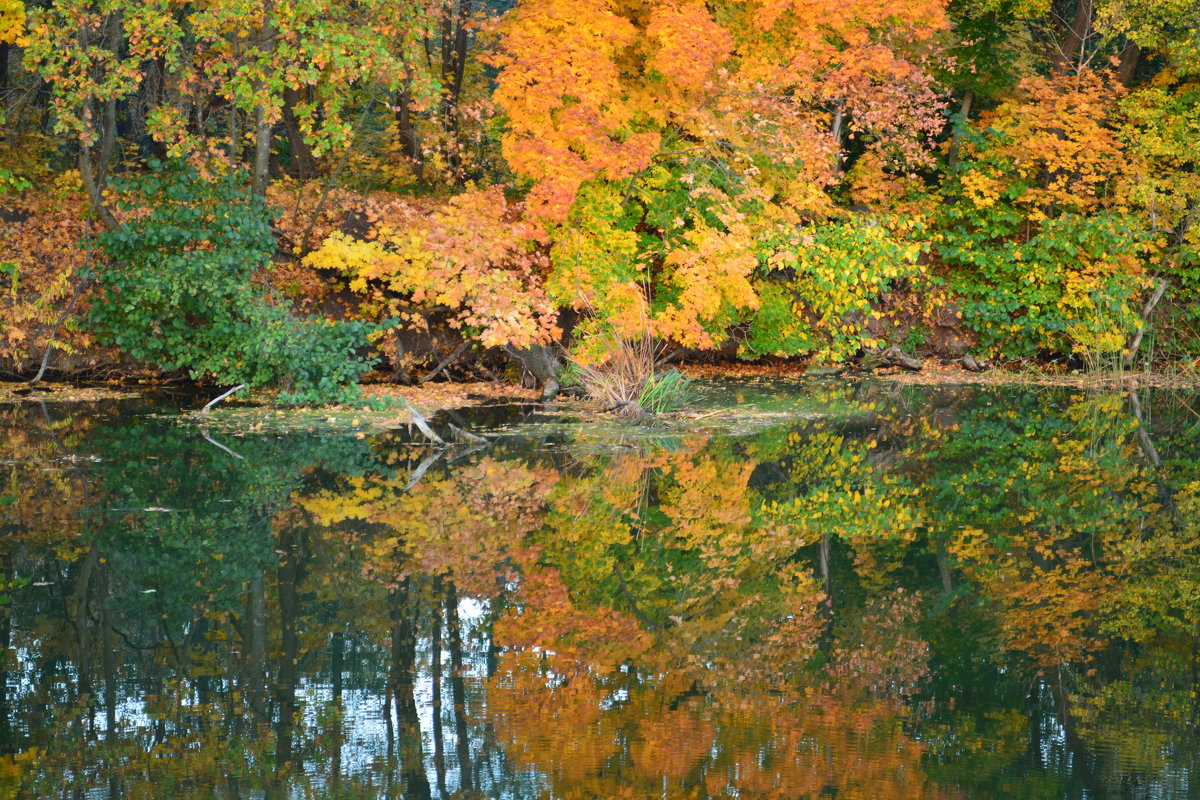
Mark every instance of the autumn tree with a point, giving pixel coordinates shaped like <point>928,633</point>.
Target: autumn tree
<point>197,73</point>
<point>664,156</point>
<point>1039,236</point>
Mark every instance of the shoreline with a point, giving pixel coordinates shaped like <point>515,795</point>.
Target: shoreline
<point>432,397</point>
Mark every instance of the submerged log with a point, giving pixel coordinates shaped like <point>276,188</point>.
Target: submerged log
<point>967,362</point>
<point>630,409</point>
<point>972,364</point>
<point>891,357</point>
<point>824,372</point>
<point>542,363</point>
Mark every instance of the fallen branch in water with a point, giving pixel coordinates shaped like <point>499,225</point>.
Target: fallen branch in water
<point>462,455</point>
<point>208,406</point>
<point>466,434</point>
<point>421,469</point>
<point>214,442</point>
<point>423,426</point>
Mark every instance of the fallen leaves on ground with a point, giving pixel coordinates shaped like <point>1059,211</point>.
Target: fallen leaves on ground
<point>60,393</point>
<point>934,374</point>
<point>430,398</point>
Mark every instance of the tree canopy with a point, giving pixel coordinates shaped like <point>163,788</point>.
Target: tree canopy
<point>771,178</point>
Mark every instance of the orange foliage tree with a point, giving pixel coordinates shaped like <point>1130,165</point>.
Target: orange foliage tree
<point>666,142</point>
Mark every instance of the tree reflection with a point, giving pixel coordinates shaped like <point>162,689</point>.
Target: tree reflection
<point>968,595</point>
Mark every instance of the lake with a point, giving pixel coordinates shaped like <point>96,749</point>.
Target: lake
<point>819,590</point>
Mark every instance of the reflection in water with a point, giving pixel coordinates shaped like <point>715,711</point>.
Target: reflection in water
<point>929,593</point>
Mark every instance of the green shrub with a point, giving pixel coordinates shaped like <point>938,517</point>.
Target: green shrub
<point>1067,285</point>
<point>177,291</point>
<point>818,285</point>
<point>1039,269</point>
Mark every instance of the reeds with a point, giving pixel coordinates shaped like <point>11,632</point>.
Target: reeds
<point>626,375</point>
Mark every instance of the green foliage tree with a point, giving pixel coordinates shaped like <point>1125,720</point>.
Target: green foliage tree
<point>178,292</point>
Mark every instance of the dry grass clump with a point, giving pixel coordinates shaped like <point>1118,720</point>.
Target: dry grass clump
<point>627,376</point>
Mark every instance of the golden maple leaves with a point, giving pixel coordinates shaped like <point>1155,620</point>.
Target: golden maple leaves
<point>1057,135</point>
<point>41,265</point>
<point>700,126</point>
<point>712,274</point>
<point>572,116</point>
<point>12,20</point>
<point>597,90</point>
<point>469,255</point>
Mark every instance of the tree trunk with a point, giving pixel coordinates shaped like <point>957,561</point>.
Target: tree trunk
<point>1135,341</point>
<point>824,547</point>
<point>542,363</point>
<point>95,176</point>
<point>460,52</point>
<point>454,57</point>
<point>1128,64</point>
<point>6,626</point>
<point>1070,55</point>
<point>235,135</point>
<point>264,128</point>
<point>95,188</point>
<point>337,647</point>
<point>254,677</point>
<point>83,634</point>
<point>458,691</point>
<point>447,36</point>
<point>406,132</point>
<point>944,570</point>
<point>262,152</point>
<point>108,141</point>
<point>4,54</point>
<point>152,93</point>
<point>839,119</point>
<point>1196,679</point>
<point>964,112</point>
<point>1084,764</point>
<point>108,661</point>
<point>304,165</point>
<point>435,671</point>
<point>291,573</point>
<point>403,685</point>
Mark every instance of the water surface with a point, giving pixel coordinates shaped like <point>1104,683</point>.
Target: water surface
<point>850,591</point>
